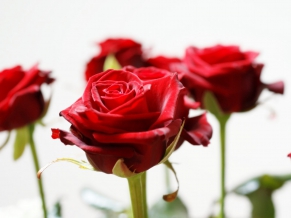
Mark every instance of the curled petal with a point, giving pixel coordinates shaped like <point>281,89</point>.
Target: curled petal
<point>197,130</point>
<point>277,87</point>
<point>69,139</point>
<point>190,103</point>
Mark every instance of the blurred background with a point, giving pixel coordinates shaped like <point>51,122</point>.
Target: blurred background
<point>61,36</point>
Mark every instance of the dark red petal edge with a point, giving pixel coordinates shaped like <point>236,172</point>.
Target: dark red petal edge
<point>69,139</point>
<point>277,87</point>
<point>197,130</point>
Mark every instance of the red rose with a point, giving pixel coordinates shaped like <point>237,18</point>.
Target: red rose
<point>21,100</point>
<point>162,62</point>
<point>123,116</point>
<point>126,51</point>
<point>230,74</point>
<point>197,130</point>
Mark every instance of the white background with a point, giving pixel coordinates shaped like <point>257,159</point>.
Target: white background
<point>60,35</point>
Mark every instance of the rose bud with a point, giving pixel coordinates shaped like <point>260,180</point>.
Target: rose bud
<point>230,74</point>
<point>129,114</point>
<point>126,51</point>
<point>21,99</point>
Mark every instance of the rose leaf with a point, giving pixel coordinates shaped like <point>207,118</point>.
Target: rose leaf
<point>172,209</point>
<point>259,191</point>
<point>56,211</point>
<point>101,202</point>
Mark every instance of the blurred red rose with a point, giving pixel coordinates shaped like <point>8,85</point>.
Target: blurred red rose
<point>21,100</point>
<point>162,62</point>
<point>126,51</point>
<point>129,114</point>
<point>230,74</point>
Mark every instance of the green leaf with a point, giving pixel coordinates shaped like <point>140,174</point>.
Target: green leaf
<point>174,209</point>
<point>56,211</point>
<point>259,191</point>
<point>211,104</point>
<point>21,139</point>
<point>5,141</point>
<point>111,63</point>
<point>81,163</point>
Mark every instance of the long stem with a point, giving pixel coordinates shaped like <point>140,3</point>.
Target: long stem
<point>36,165</point>
<point>222,159</point>
<point>137,188</point>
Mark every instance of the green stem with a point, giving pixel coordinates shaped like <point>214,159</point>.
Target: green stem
<point>222,159</point>
<point>137,188</point>
<point>36,165</point>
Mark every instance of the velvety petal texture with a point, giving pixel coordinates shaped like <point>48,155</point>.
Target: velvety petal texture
<point>197,130</point>
<point>126,51</point>
<point>21,100</point>
<point>133,114</point>
<point>230,74</point>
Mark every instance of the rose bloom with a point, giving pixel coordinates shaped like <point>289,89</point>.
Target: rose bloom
<point>133,114</point>
<point>21,99</point>
<point>230,74</point>
<point>162,62</point>
<point>126,51</point>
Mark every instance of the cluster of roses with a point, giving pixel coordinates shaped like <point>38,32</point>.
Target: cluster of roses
<point>134,113</point>
<point>135,110</point>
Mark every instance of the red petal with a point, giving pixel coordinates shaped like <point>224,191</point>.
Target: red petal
<point>197,130</point>
<point>55,133</point>
<point>277,87</point>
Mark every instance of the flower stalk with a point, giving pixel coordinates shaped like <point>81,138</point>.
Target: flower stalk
<point>36,165</point>
<point>137,188</point>
<point>222,171</point>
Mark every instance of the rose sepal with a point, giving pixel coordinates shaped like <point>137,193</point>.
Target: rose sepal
<point>211,104</point>
<point>171,148</point>
<point>111,63</point>
<point>81,163</point>
<point>21,140</point>
<point>121,170</point>
<point>171,196</point>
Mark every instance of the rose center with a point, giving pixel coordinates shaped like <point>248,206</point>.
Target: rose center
<point>114,90</point>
